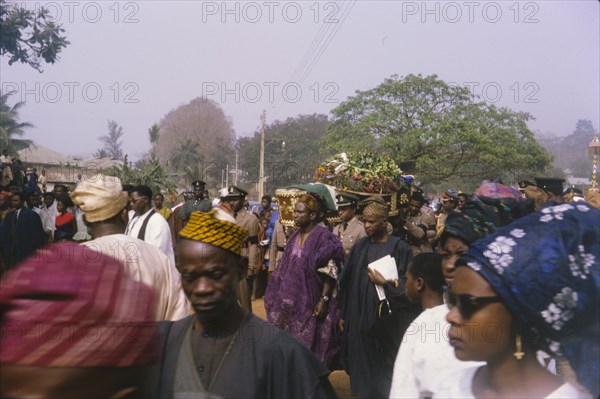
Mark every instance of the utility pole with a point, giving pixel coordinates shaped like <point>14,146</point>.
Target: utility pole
<point>261,167</point>
<point>237,169</point>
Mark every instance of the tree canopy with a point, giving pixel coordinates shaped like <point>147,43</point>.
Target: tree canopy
<point>205,132</point>
<point>436,131</point>
<point>29,37</point>
<point>292,162</point>
<point>570,152</point>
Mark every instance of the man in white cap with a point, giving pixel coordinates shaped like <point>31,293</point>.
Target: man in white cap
<point>104,205</point>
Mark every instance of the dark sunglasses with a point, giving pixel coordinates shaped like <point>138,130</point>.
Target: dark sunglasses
<point>467,304</point>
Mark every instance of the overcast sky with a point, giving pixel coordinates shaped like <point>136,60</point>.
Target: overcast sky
<point>134,61</point>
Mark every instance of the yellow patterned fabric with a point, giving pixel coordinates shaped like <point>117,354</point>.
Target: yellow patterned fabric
<point>207,228</point>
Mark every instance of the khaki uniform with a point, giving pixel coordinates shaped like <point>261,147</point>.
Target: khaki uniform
<point>417,237</point>
<point>277,246</point>
<point>349,233</point>
<point>248,221</point>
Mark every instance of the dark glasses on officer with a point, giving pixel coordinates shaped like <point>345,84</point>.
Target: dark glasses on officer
<point>467,304</point>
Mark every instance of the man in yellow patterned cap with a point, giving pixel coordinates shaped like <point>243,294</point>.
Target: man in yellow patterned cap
<point>224,350</point>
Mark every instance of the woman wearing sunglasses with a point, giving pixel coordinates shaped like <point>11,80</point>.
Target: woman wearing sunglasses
<point>533,285</point>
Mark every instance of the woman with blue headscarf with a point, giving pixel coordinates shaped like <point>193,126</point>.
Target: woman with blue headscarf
<point>532,285</point>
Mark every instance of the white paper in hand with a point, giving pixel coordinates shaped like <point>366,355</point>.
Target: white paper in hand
<point>387,267</point>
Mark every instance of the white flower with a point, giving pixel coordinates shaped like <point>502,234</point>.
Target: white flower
<point>474,265</point>
<point>551,314</point>
<point>581,263</point>
<point>491,255</point>
<point>560,311</point>
<point>555,212</point>
<point>566,299</point>
<point>498,253</point>
<point>582,208</point>
<point>518,233</point>
<point>561,208</point>
<point>503,245</point>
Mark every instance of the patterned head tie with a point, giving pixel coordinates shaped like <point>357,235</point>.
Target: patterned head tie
<point>314,202</point>
<point>215,228</point>
<point>545,267</point>
<point>70,306</point>
<point>375,206</point>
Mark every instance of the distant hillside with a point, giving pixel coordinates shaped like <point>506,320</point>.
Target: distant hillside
<point>570,152</point>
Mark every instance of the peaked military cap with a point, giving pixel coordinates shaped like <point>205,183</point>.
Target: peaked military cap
<point>198,184</point>
<point>346,200</point>
<point>524,183</point>
<point>553,185</point>
<point>573,190</point>
<point>233,191</point>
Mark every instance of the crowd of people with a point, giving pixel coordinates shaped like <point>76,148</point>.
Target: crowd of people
<point>107,292</point>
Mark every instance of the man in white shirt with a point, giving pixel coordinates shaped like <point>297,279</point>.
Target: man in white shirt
<point>148,225</point>
<point>104,205</point>
<point>48,215</point>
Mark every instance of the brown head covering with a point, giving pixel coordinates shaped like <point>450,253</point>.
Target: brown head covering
<point>70,306</point>
<point>376,206</point>
<point>312,202</point>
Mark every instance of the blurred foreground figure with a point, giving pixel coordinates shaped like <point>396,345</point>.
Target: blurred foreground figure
<point>224,350</point>
<point>74,325</point>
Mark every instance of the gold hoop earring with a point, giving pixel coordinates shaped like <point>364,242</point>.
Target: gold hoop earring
<point>519,352</point>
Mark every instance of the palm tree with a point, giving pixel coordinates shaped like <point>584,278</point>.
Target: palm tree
<point>186,154</point>
<point>154,133</point>
<point>11,127</point>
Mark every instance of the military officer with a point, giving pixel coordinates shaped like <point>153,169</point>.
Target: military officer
<point>553,186</point>
<point>232,201</point>
<point>351,229</point>
<point>198,203</point>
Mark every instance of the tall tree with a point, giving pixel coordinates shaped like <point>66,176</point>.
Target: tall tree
<point>201,122</point>
<point>436,131</point>
<point>29,37</point>
<point>154,135</point>
<point>10,127</point>
<point>112,145</point>
<point>570,152</point>
<point>291,151</point>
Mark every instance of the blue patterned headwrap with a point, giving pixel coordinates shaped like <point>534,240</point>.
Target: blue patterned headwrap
<point>545,267</point>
